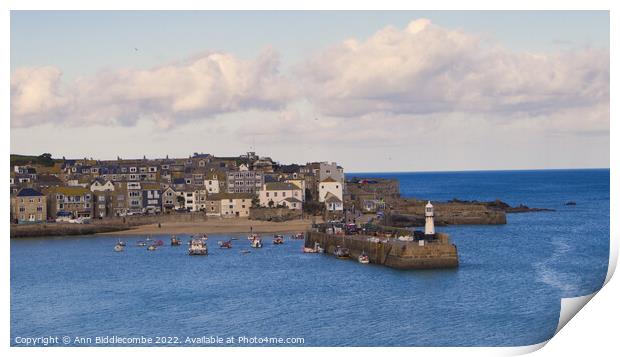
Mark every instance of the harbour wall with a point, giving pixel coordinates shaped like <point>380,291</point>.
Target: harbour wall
<point>437,254</point>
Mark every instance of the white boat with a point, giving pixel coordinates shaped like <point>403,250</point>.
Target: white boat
<point>119,248</point>
<point>363,258</point>
<point>256,243</point>
<point>198,247</point>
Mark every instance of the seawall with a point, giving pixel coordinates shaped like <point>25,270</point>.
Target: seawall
<point>437,254</point>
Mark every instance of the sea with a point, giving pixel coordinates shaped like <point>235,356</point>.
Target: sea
<point>506,291</point>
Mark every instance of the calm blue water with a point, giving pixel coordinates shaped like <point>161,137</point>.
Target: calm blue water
<point>506,292</point>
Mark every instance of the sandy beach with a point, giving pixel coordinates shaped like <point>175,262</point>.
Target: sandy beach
<point>230,225</point>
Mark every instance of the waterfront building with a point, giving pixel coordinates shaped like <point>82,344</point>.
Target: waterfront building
<point>76,202</point>
<point>274,194</point>
<point>30,206</point>
<point>231,204</point>
<point>103,203</point>
<point>169,200</point>
<point>151,198</point>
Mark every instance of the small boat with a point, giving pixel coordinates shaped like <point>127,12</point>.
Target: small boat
<point>174,241</point>
<point>298,236</point>
<point>234,238</point>
<point>203,237</point>
<point>318,248</point>
<point>363,258</point>
<point>246,251</point>
<point>151,247</point>
<point>309,250</point>
<point>118,247</point>
<point>159,243</point>
<point>148,238</point>
<point>253,236</point>
<point>278,239</point>
<point>256,243</point>
<point>121,243</point>
<point>141,243</point>
<point>198,247</point>
<point>225,244</point>
<point>341,252</point>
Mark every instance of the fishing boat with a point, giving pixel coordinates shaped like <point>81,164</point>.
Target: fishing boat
<point>174,241</point>
<point>225,244</point>
<point>197,247</point>
<point>118,247</point>
<point>256,243</point>
<point>363,258</point>
<point>278,239</point>
<point>141,243</point>
<point>341,252</point>
<point>151,247</point>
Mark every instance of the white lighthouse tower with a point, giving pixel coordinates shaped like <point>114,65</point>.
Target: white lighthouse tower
<point>429,226</point>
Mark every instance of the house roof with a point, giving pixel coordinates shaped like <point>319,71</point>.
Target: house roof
<point>226,196</point>
<point>28,192</point>
<point>293,199</point>
<point>70,190</point>
<point>278,186</point>
<point>329,179</point>
<point>330,197</point>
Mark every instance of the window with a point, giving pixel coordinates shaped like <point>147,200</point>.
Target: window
<point>267,194</point>
<point>336,186</point>
<point>284,194</point>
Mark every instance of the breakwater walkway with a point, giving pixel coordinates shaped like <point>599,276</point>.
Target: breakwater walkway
<point>435,254</point>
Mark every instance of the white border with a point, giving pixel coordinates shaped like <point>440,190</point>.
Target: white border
<point>593,329</point>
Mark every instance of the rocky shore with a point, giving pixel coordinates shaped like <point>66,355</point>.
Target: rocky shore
<point>410,212</point>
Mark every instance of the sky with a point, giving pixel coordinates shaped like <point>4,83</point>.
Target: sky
<point>371,90</point>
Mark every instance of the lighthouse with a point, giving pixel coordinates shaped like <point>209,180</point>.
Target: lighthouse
<point>429,226</point>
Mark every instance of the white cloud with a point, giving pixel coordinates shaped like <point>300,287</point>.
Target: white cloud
<point>428,69</point>
<point>196,88</point>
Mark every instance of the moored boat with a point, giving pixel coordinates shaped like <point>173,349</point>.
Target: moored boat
<point>197,247</point>
<point>141,243</point>
<point>341,252</point>
<point>174,241</point>
<point>298,236</point>
<point>256,243</point>
<point>151,247</point>
<point>121,243</point>
<point>253,236</point>
<point>159,243</point>
<point>118,247</point>
<point>363,258</point>
<point>225,244</point>
<point>278,239</point>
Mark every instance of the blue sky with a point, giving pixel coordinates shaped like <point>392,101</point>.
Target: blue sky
<point>79,45</point>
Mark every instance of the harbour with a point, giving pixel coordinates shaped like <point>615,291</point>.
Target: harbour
<point>508,281</point>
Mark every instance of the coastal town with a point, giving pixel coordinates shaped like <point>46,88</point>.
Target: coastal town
<point>82,190</point>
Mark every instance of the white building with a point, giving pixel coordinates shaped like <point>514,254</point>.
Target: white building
<point>273,194</point>
<point>331,189</point>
